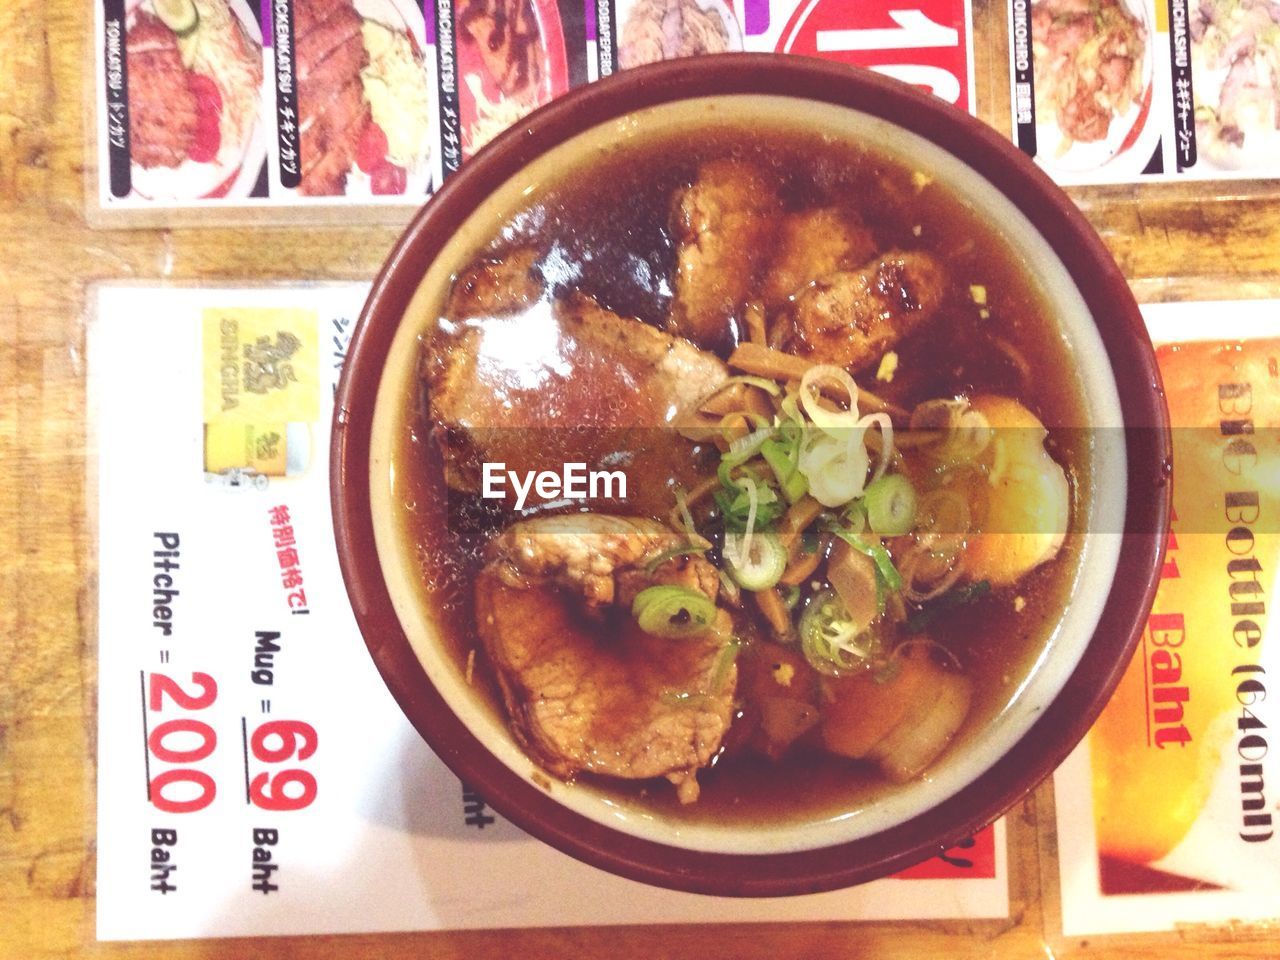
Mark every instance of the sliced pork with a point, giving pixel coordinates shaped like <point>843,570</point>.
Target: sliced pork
<point>811,244</point>
<point>723,224</point>
<point>585,687</point>
<point>516,378</point>
<point>599,556</point>
<point>850,318</point>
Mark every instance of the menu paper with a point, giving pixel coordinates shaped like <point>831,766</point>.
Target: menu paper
<point>1167,814</point>
<point>254,774</point>
<point>928,42</point>
<point>245,104</point>
<point>1120,91</point>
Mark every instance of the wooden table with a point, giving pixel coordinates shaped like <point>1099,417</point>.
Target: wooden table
<point>1170,242</point>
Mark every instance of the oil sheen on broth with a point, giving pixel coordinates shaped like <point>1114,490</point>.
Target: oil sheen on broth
<point>610,236</point>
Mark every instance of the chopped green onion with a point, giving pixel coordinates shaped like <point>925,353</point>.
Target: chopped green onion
<point>758,564</point>
<point>971,436</point>
<point>753,503</point>
<point>695,545</point>
<point>682,505</point>
<point>882,421</point>
<point>724,663</point>
<point>834,465</point>
<point>829,639</point>
<point>828,418</point>
<point>671,611</point>
<point>764,383</point>
<point>747,446</point>
<point>790,597</point>
<point>855,518</point>
<point>731,590</point>
<point>890,503</point>
<point>783,457</point>
<point>877,552</point>
<point>734,502</point>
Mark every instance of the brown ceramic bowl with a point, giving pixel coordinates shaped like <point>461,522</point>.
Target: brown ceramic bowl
<point>987,770</point>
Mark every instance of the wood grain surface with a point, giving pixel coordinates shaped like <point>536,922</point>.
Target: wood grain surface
<point>1172,243</point>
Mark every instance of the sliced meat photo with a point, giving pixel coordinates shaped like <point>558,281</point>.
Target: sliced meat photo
<point>162,107</point>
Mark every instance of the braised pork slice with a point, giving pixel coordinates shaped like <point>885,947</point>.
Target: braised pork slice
<point>599,556</point>
<point>496,286</point>
<point>851,318</point>
<point>585,687</point>
<point>811,244</point>
<point>723,224</point>
<point>516,378</point>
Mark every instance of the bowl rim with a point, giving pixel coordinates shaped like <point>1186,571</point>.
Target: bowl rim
<point>1148,454</point>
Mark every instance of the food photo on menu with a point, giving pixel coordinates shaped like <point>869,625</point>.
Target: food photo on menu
<point>1116,91</point>
<point>1235,53</point>
<point>1094,62</point>
<point>195,76</point>
<point>364,103</point>
<point>512,58</point>
<point>1165,815</point>
<point>654,30</point>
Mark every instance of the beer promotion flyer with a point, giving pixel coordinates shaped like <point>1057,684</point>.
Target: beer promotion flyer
<point>1167,814</point>
<point>254,774</point>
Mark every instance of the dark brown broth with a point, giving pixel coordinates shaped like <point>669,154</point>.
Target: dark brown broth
<point>605,233</point>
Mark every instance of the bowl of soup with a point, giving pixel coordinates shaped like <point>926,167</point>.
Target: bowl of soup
<point>750,475</point>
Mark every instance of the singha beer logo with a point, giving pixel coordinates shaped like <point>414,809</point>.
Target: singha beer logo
<point>260,367</point>
<point>266,365</point>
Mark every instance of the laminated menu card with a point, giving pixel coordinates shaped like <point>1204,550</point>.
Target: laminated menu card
<point>1119,91</point>
<point>254,774</point>
<point>242,105</point>
<point>1168,814</point>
